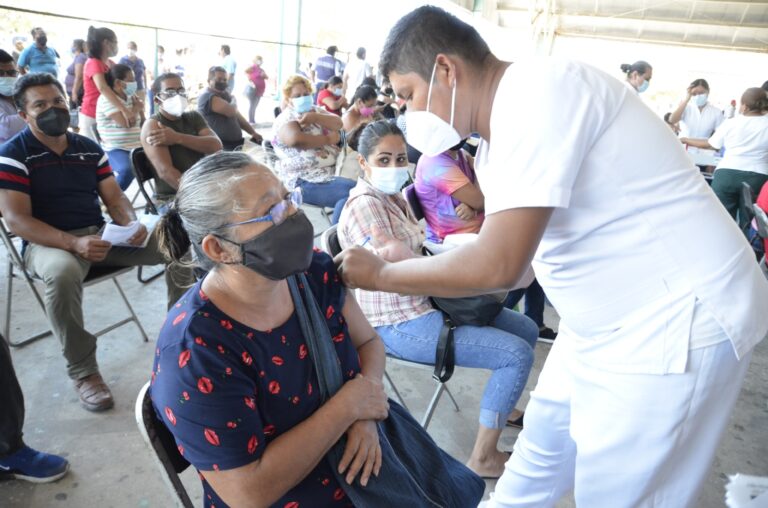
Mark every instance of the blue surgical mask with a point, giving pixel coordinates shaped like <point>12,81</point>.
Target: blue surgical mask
<point>701,99</point>
<point>302,104</point>
<point>337,92</point>
<point>130,88</point>
<point>387,179</point>
<point>6,86</point>
<point>642,88</point>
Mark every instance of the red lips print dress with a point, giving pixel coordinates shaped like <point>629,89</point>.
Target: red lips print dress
<point>226,391</point>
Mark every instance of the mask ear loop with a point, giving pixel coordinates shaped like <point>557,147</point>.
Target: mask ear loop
<point>453,101</point>
<point>431,81</point>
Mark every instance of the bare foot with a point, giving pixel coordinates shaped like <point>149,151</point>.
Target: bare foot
<point>489,467</point>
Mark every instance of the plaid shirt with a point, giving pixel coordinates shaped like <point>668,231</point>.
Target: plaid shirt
<point>365,208</point>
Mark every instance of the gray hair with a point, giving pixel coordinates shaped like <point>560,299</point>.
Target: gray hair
<point>204,203</point>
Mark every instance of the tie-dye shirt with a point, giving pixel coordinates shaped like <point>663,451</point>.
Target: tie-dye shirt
<point>436,179</point>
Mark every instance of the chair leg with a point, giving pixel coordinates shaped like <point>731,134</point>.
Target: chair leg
<point>432,405</point>
<point>8,310</point>
<point>394,389</point>
<point>150,278</point>
<point>130,309</point>
<point>455,405</point>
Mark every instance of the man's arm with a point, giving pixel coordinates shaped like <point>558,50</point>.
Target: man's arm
<point>205,141</point>
<point>247,127</point>
<point>498,259</point>
<point>222,107</point>
<point>159,156</point>
<point>117,203</point>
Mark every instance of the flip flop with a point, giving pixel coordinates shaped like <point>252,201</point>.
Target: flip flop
<point>496,477</point>
<point>517,423</point>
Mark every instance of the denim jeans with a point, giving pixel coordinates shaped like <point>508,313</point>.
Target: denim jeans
<point>332,194</point>
<point>534,301</point>
<point>120,161</point>
<point>505,347</point>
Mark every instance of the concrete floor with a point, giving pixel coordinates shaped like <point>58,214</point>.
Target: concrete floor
<point>111,466</point>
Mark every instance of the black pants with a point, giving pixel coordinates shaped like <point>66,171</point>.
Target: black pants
<point>534,301</point>
<point>11,404</point>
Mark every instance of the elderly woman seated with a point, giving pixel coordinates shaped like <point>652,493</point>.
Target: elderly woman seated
<point>307,140</point>
<point>377,214</point>
<point>235,378</point>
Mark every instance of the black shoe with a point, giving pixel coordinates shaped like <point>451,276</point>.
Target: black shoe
<point>547,335</point>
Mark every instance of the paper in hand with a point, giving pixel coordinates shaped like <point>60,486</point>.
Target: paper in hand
<point>118,236</point>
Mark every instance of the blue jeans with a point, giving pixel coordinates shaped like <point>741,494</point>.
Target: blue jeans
<point>332,194</point>
<point>534,301</point>
<point>120,161</point>
<point>505,347</point>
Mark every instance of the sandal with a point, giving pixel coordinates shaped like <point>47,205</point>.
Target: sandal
<point>94,393</point>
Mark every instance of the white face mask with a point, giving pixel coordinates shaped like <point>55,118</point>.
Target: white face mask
<point>6,86</point>
<point>387,179</point>
<point>427,132</point>
<point>701,99</point>
<point>176,105</point>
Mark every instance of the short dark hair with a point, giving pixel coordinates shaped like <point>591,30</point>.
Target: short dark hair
<point>765,86</point>
<point>364,93</point>
<point>96,38</point>
<point>373,133</point>
<point>641,67</point>
<point>157,84</point>
<point>225,49</point>
<point>360,53</point>
<point>213,70</point>
<point>5,57</point>
<point>28,81</point>
<point>132,44</point>
<point>160,48</point>
<point>79,44</point>
<point>35,30</point>
<point>700,82</point>
<point>118,71</point>
<point>335,80</point>
<point>755,99</point>
<point>331,50</point>
<point>417,38</point>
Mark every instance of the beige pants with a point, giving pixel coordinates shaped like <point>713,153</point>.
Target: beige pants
<point>63,274</point>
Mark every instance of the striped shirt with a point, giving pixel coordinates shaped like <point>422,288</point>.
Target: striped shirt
<point>114,136</point>
<point>365,208</point>
<point>63,188</point>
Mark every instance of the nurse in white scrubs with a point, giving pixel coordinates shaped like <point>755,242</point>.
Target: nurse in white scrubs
<point>638,75</point>
<point>697,116</point>
<point>588,183</point>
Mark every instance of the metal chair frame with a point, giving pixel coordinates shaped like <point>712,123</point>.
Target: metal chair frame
<point>144,173</point>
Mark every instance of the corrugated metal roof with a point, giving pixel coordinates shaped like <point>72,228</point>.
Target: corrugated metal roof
<point>733,24</point>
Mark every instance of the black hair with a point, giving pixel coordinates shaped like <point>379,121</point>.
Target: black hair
<point>35,30</point>
<point>765,86</point>
<point>79,45</point>
<point>666,117</point>
<point>28,81</point>
<point>369,81</point>
<point>371,136</point>
<point>5,57</point>
<point>417,38</point>
<point>118,71</point>
<point>96,38</point>
<point>157,85</point>
<point>335,80</point>
<point>364,93</point>
<point>225,49</point>
<point>213,70</point>
<point>331,50</point>
<point>700,82</point>
<point>755,99</point>
<point>160,48</point>
<point>132,44</point>
<point>360,53</point>
<point>641,67</point>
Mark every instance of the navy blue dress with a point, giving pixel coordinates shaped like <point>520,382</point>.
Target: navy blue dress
<point>226,391</point>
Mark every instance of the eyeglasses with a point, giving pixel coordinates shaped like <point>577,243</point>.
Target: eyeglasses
<point>173,92</point>
<point>278,213</point>
<point>10,74</point>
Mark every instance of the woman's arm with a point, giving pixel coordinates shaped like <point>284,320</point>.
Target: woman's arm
<point>334,104</point>
<point>78,84</point>
<point>323,119</point>
<point>291,135</point>
<point>698,143</point>
<point>101,83</point>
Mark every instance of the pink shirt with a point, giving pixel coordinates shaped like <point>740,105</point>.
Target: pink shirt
<point>91,94</point>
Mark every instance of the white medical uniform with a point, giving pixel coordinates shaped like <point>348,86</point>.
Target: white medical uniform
<point>655,338</point>
<point>700,123</point>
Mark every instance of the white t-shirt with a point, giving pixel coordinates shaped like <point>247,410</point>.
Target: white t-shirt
<point>637,239</point>
<point>700,124</point>
<point>357,70</point>
<point>745,139</point>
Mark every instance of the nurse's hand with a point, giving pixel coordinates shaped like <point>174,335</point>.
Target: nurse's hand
<point>359,268</point>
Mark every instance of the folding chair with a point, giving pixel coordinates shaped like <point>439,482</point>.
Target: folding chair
<point>746,213</point>
<point>95,275</point>
<point>163,447</point>
<point>144,173</point>
<point>761,218</point>
<point>329,242</point>
<point>409,193</point>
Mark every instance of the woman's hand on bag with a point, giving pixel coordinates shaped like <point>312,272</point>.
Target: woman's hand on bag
<point>362,454</point>
<point>366,398</point>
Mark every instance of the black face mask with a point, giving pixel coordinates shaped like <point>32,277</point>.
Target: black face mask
<point>53,121</point>
<point>42,40</point>
<point>220,85</point>
<point>281,250</point>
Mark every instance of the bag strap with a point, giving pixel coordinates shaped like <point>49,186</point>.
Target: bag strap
<point>317,336</point>
<point>445,352</point>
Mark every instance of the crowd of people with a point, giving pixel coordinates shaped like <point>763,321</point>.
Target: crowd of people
<point>260,325</point>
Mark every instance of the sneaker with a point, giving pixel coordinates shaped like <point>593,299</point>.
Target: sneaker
<point>547,335</point>
<point>33,466</point>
